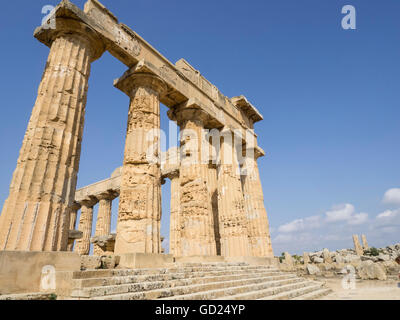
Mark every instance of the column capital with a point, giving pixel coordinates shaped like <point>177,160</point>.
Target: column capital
<point>134,78</point>
<point>256,151</point>
<point>70,27</point>
<point>171,173</point>
<point>108,195</point>
<point>189,111</point>
<point>75,206</point>
<point>88,202</point>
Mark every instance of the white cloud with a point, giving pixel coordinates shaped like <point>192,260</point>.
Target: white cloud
<point>301,224</point>
<point>340,213</point>
<point>358,218</point>
<point>392,196</point>
<point>388,214</point>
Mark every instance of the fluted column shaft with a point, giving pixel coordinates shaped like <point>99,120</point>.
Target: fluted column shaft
<point>82,245</point>
<point>72,223</point>
<point>138,228</point>
<point>256,214</point>
<point>232,220</point>
<point>175,230</point>
<point>213,190</point>
<point>196,216</point>
<point>103,223</point>
<point>35,216</point>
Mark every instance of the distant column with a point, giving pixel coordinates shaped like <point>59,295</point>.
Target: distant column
<point>82,245</point>
<point>364,242</point>
<point>35,216</point>
<point>103,223</point>
<point>357,246</point>
<point>138,228</point>
<point>175,230</point>
<point>72,222</point>
<point>232,219</point>
<point>257,220</point>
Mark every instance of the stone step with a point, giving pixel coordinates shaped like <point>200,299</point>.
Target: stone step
<point>130,272</point>
<point>189,290</point>
<point>291,294</point>
<point>28,296</point>
<point>266,291</point>
<point>112,281</point>
<point>173,287</point>
<point>235,290</point>
<point>314,294</point>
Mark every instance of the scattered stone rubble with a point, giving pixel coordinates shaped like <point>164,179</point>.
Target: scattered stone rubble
<point>367,263</point>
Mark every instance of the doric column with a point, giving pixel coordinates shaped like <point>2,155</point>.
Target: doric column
<point>175,230</point>
<point>138,228</point>
<point>257,220</point>
<point>35,215</point>
<point>232,219</point>
<point>196,216</point>
<point>213,190</point>
<point>72,223</point>
<point>103,223</point>
<point>82,245</point>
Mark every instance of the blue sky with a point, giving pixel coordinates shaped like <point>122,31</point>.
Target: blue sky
<point>330,99</point>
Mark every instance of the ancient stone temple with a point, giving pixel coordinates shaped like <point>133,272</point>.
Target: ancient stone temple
<point>217,204</point>
<point>219,236</point>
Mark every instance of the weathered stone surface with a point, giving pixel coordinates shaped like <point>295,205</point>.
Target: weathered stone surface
<point>364,242</point>
<point>257,220</point>
<point>357,246</point>
<point>313,269</point>
<point>196,209</point>
<point>90,262</point>
<point>316,259</point>
<point>306,258</point>
<point>369,270</point>
<point>106,244</point>
<point>103,224</point>
<point>138,227</point>
<point>82,245</point>
<point>232,219</point>
<point>327,256</point>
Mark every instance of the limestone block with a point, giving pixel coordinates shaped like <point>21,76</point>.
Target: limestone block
<point>383,257</point>
<point>327,256</point>
<point>313,269</point>
<point>306,258</point>
<point>369,270</point>
<point>145,260</point>
<point>317,259</point>
<point>288,259</point>
<point>106,244</point>
<point>351,259</point>
<point>90,262</point>
<point>21,271</point>
<point>108,262</point>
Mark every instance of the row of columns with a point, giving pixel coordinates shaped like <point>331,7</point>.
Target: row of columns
<point>85,225</point>
<point>216,211</point>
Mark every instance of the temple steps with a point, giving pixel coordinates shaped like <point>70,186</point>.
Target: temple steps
<point>226,281</point>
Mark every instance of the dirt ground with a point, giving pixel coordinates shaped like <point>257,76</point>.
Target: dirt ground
<point>364,290</point>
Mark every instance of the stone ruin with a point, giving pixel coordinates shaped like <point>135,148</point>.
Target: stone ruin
<point>367,263</point>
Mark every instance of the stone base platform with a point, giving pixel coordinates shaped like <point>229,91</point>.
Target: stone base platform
<point>27,271</point>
